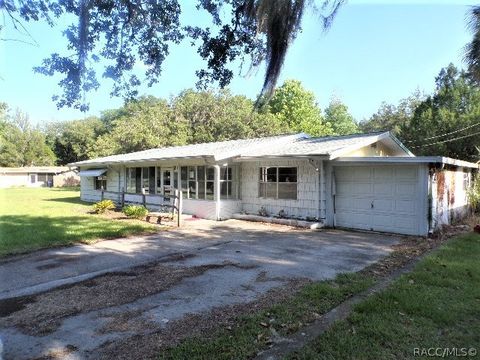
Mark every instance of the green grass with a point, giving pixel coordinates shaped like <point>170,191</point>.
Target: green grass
<point>435,306</point>
<point>252,332</point>
<point>37,218</point>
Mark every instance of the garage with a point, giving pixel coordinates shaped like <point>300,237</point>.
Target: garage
<point>380,198</point>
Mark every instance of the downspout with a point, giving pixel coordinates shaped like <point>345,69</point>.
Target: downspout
<point>323,202</point>
<point>217,192</point>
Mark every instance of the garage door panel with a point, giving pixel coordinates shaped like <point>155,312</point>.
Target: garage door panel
<point>383,173</point>
<point>362,174</point>
<point>362,204</point>
<point>384,189</point>
<point>393,191</point>
<point>383,205</point>
<point>355,220</point>
<point>407,190</point>
<point>406,173</point>
<point>343,203</point>
<point>405,206</point>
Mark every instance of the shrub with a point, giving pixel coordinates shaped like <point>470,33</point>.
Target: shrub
<point>102,206</point>
<point>473,194</point>
<point>135,211</point>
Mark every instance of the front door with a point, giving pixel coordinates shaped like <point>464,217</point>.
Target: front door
<point>167,182</point>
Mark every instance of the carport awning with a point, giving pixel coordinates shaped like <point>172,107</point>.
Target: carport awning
<point>93,172</point>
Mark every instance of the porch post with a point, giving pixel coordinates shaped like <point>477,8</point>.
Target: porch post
<point>217,191</point>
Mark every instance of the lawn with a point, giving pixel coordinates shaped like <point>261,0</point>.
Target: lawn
<point>37,218</point>
<point>434,309</point>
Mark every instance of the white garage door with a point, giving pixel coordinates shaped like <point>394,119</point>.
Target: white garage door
<point>379,198</point>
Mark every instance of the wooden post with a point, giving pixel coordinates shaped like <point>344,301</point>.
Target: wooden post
<point>102,194</point>
<point>179,209</point>
<point>123,199</point>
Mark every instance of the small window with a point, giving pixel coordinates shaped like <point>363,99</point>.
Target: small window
<point>278,183</point>
<point>101,183</point>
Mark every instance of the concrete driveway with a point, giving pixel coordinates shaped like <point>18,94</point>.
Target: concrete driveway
<point>210,265</point>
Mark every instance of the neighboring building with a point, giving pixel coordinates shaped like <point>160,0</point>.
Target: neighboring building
<point>369,181</point>
<point>39,176</point>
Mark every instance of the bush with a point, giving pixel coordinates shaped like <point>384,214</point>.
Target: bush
<point>135,211</point>
<point>473,194</point>
<point>102,206</point>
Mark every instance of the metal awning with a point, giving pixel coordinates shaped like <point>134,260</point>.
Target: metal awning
<point>93,172</point>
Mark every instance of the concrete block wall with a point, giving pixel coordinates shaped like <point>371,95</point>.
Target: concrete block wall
<point>308,185</point>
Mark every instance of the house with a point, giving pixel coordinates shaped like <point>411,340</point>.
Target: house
<point>39,176</point>
<point>367,181</point>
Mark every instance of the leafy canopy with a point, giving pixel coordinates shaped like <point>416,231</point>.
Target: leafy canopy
<point>118,34</point>
<point>297,110</point>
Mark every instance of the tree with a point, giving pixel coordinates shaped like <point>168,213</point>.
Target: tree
<point>297,110</point>
<point>21,145</point>
<point>341,121</point>
<point>71,141</point>
<point>472,49</point>
<point>391,117</point>
<point>448,121</point>
<point>142,124</point>
<point>126,32</point>
<point>217,116</point>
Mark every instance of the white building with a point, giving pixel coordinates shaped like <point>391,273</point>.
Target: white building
<point>368,181</point>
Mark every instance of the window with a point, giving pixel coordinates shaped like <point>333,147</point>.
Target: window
<point>197,182</point>
<point>192,182</point>
<point>140,179</point>
<point>229,182</point>
<point>131,180</point>
<point>278,183</point>
<point>101,183</point>
<point>33,178</point>
<point>42,177</point>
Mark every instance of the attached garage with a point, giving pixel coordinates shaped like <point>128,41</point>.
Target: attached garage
<point>380,198</point>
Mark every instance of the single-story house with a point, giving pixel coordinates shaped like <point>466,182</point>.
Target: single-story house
<point>367,181</point>
<point>38,176</point>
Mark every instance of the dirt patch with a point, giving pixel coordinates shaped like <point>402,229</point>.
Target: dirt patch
<point>42,314</point>
<point>58,353</point>
<point>150,345</point>
<point>128,321</point>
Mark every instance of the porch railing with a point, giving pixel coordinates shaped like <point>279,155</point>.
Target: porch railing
<point>172,202</point>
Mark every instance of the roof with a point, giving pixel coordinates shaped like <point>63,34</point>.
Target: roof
<point>330,146</point>
<point>34,169</point>
<point>216,150</point>
<point>441,160</point>
<point>299,144</point>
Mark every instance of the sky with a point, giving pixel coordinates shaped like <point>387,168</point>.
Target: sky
<point>375,51</point>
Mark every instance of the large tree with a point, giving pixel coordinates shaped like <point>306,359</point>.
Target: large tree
<point>125,32</point>
<point>141,124</point>
<point>390,117</point>
<point>297,110</point>
<point>21,144</point>
<point>218,116</point>
<point>341,121</point>
<point>448,121</point>
<point>71,141</point>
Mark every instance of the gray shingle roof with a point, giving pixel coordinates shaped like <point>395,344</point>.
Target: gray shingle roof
<point>282,145</point>
<point>318,146</point>
<point>217,150</point>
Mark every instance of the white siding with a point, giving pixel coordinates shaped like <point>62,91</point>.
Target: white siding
<point>307,203</point>
<point>87,190</point>
<point>229,207</point>
<point>205,209</point>
<point>9,180</point>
